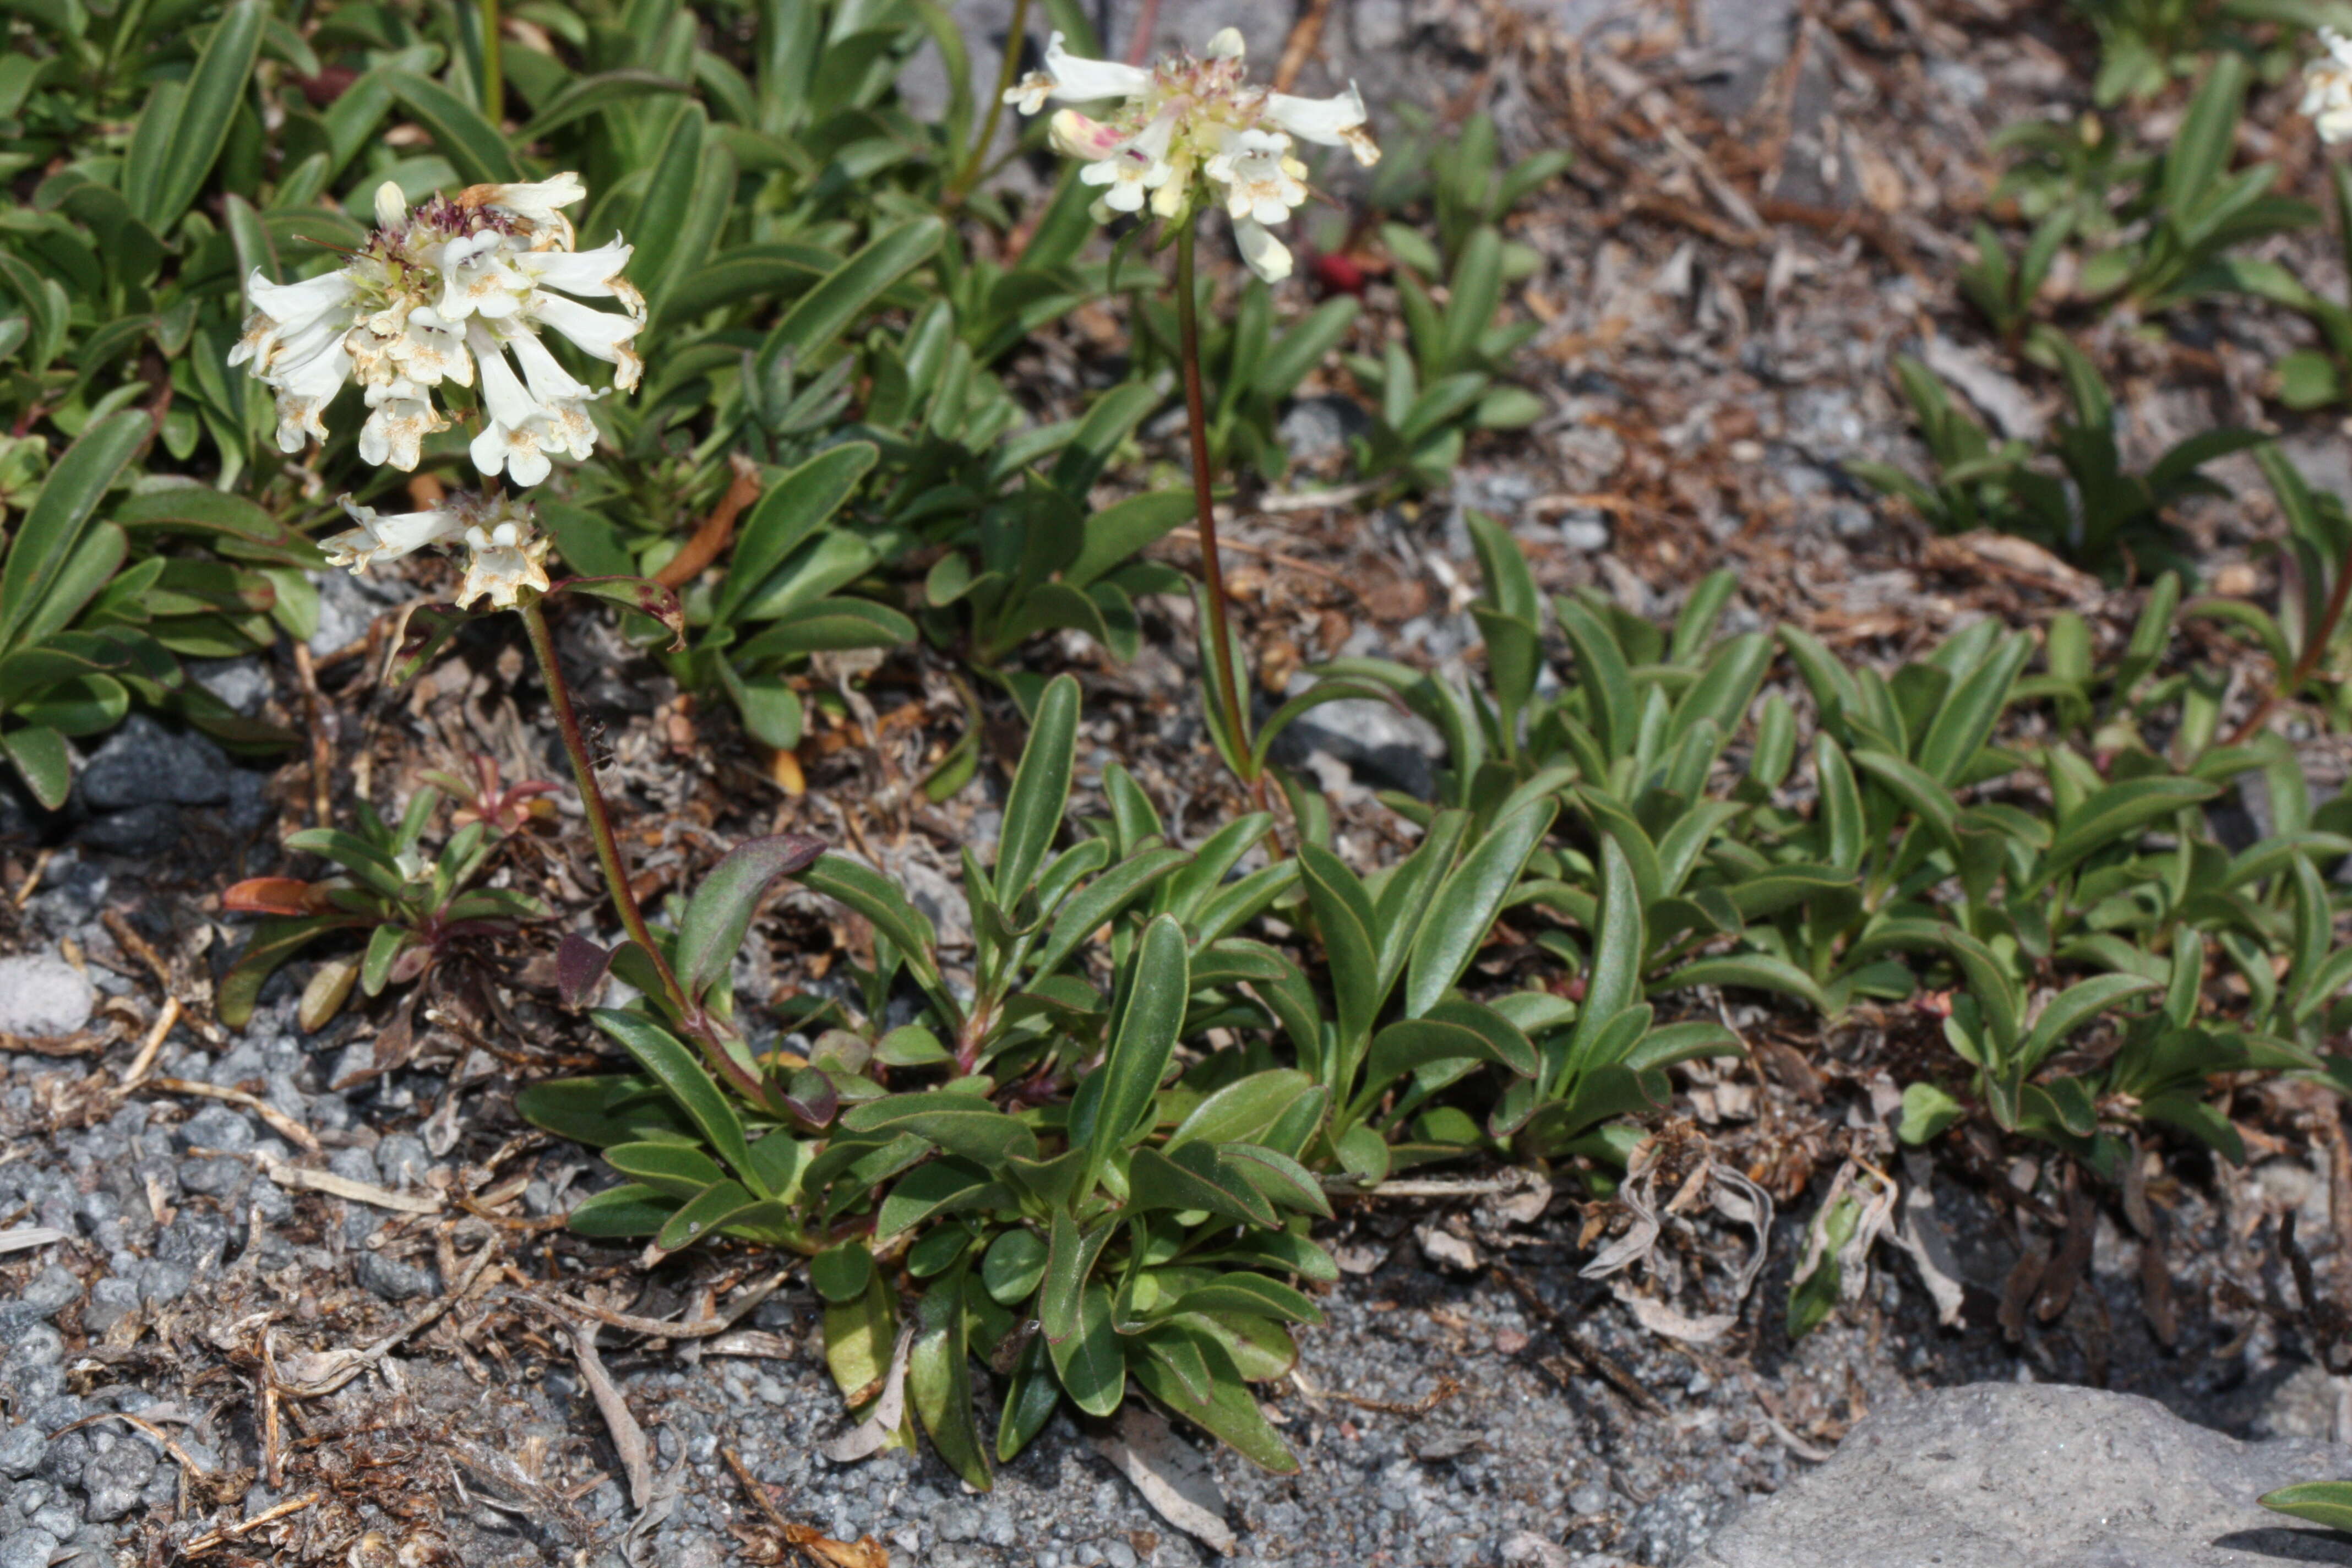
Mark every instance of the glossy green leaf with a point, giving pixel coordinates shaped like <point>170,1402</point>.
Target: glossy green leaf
<point>712,932</point>
<point>674,1068</point>
<point>1143,1040</point>
<point>1041,789</point>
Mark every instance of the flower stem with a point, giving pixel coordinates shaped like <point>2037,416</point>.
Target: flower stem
<point>1188,329</point>
<point>591,799</point>
<point>2314,649</point>
<point>1015,36</point>
<point>494,84</point>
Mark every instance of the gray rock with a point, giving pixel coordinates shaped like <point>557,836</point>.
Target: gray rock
<point>143,830</point>
<point>391,1280</point>
<point>42,995</point>
<point>28,1548</point>
<point>401,1161</point>
<point>1996,1475</point>
<point>143,764</point>
<point>218,1127</point>
<point>1316,428</point>
<point>1383,748</point>
<point>110,1301</point>
<point>53,1289</point>
<point>21,1449</point>
<point>243,683</point>
<point>115,1480</point>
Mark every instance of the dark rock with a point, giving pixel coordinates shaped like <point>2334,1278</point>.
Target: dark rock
<point>143,830</point>
<point>110,1301</point>
<point>143,764</point>
<point>53,1289</point>
<point>391,1280</point>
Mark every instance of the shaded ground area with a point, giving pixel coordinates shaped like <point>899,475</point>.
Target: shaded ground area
<point>326,1273</point>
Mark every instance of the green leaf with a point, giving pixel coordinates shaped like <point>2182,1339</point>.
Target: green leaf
<point>1343,914</point>
<point>41,760</point>
<point>1069,1259</point>
<point>272,943</point>
<point>623,1212</point>
<point>472,144</point>
<point>1918,794</point>
<point>46,538</point>
<point>1450,1031</point>
<point>704,1214</point>
<point>1614,979</point>
<point>1014,1266</point>
<point>1196,1176</point>
<point>1231,1414</point>
<point>587,95</point>
<point>2072,1008</point>
<point>939,1379</point>
<point>1088,1359</point>
<point>824,311</point>
<point>2118,810</point>
<point>2322,1502</point>
<point>216,90</point>
<point>1465,905</point>
<point>961,1123</point>
<point>675,1168</point>
<point>794,507</point>
<point>1040,792</point>
<point>1242,1110</point>
<point>1239,1291</point>
<point>1753,971</point>
<point>600,1112</point>
<point>1927,1111</point>
<point>712,932</point>
<point>840,1274</point>
<point>1142,1041</point>
<point>675,1070</point>
<point>871,894</point>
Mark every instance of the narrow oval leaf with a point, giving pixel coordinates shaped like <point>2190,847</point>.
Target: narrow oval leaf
<point>674,1067</point>
<point>721,910</point>
<point>1144,1038</point>
<point>1041,790</point>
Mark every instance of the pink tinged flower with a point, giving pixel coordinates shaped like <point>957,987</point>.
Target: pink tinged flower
<point>1267,256</point>
<point>600,334</point>
<point>388,536</point>
<point>400,416</point>
<point>1134,168</point>
<point>502,561</point>
<point>1075,136</point>
<point>1327,122</point>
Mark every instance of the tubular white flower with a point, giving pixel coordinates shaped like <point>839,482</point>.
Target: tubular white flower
<point>517,438</point>
<point>2327,88</point>
<point>388,536</point>
<point>1267,256</point>
<point>1077,80</point>
<point>1192,129</point>
<point>400,416</point>
<point>503,561</point>
<point>401,316</point>
<point>1327,122</point>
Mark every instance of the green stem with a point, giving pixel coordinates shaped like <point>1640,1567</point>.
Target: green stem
<point>2314,649</point>
<point>494,83</point>
<point>592,800</point>
<point>1015,38</point>
<point>1188,332</point>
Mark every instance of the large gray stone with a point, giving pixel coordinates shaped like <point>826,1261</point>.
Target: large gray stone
<point>143,764</point>
<point>42,995</point>
<point>2004,1475</point>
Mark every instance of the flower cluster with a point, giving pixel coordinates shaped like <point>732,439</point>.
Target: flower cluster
<point>444,293</point>
<point>1188,122</point>
<point>2327,88</point>
<point>507,553</point>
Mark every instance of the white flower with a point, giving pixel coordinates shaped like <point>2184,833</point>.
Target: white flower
<point>1134,168</point>
<point>1262,180</point>
<point>2327,88</point>
<point>505,560</point>
<point>1327,122</point>
<point>381,536</point>
<point>505,551</point>
<point>1189,116</point>
<point>1267,256</point>
<point>400,416</point>
<point>436,288</point>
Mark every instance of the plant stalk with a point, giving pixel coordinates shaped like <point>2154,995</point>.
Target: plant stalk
<point>1188,331</point>
<point>591,799</point>
<point>2314,649</point>
<point>1015,36</point>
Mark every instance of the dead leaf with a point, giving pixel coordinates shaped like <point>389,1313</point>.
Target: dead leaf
<point>628,1437</point>
<point>1172,1476</point>
<point>1529,1550</point>
<point>1664,1319</point>
<point>869,1435</point>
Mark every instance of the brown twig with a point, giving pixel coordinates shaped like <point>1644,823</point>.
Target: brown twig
<point>717,529</point>
<point>322,747</point>
<point>2315,648</point>
<point>223,1537</point>
<point>1576,1344</point>
<point>1299,48</point>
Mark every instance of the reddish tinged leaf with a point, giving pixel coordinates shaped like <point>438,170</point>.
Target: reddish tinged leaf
<point>580,967</point>
<point>275,896</point>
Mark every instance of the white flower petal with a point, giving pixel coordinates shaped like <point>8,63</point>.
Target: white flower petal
<point>1227,45</point>
<point>1077,80</point>
<point>1267,256</point>
<point>399,418</point>
<point>539,204</point>
<point>388,536</point>
<point>590,274</point>
<point>598,332</point>
<point>391,205</point>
